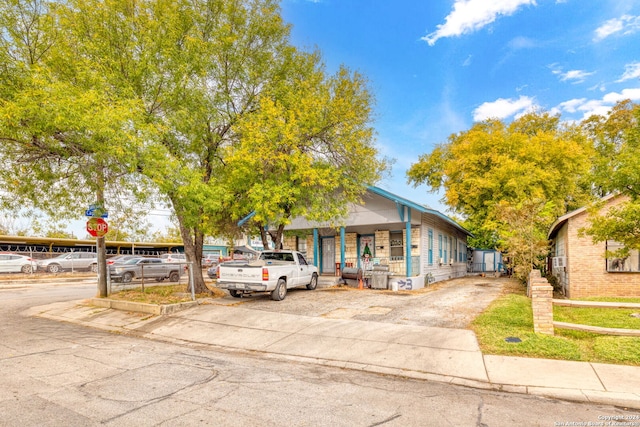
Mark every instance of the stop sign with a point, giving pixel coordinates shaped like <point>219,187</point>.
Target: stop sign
<point>97,227</point>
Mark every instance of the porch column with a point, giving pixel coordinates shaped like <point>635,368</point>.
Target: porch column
<point>407,246</point>
<point>342,247</point>
<point>315,248</point>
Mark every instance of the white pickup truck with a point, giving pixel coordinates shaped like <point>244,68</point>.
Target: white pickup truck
<point>273,271</point>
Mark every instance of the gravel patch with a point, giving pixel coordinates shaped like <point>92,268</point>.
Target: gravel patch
<point>448,304</point>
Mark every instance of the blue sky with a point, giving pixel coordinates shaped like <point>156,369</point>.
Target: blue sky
<point>435,66</point>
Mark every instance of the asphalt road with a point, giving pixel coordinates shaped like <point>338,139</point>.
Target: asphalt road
<point>59,374</point>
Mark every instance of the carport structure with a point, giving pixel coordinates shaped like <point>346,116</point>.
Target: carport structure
<point>414,241</point>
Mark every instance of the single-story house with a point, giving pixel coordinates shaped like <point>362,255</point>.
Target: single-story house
<point>581,266</point>
<point>416,244</point>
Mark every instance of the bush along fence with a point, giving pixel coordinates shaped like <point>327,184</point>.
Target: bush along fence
<point>542,302</point>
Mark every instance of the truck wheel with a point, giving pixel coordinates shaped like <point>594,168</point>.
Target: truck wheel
<point>235,293</point>
<point>174,276</point>
<point>314,282</point>
<point>127,277</point>
<point>93,268</point>
<point>280,291</point>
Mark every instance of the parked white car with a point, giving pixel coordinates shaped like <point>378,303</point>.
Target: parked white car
<point>174,257</point>
<point>70,261</point>
<point>14,263</point>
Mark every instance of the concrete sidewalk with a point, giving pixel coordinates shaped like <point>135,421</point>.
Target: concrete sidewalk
<point>437,354</point>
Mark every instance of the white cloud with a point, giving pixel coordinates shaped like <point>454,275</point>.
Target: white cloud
<point>502,108</point>
<point>572,105</point>
<point>631,71</point>
<point>468,16</point>
<point>626,24</point>
<point>522,43</point>
<point>600,107</point>
<point>613,97</point>
<point>574,76</point>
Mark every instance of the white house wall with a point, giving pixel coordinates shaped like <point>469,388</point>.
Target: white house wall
<point>452,266</point>
<point>377,211</point>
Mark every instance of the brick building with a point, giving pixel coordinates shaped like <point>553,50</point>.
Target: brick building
<point>581,266</point>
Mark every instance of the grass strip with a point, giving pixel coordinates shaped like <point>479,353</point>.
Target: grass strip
<point>511,316</point>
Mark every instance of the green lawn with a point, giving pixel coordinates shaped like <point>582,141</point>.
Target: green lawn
<point>511,316</point>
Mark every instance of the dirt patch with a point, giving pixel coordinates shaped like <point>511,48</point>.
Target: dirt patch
<point>449,304</point>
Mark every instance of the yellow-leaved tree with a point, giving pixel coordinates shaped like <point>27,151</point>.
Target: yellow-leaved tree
<point>499,176</point>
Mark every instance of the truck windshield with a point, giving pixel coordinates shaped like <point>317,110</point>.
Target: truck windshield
<point>277,256</point>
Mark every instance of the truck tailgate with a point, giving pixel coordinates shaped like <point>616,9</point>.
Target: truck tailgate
<point>240,273</point>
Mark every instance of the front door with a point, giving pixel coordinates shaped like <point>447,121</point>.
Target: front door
<point>328,255</point>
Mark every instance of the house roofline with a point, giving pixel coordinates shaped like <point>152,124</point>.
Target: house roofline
<point>423,209</point>
<point>555,227</point>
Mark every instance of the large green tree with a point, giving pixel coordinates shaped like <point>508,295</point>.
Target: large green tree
<point>306,151</point>
<point>617,171</point>
<point>65,139</point>
<point>490,171</point>
<point>149,97</point>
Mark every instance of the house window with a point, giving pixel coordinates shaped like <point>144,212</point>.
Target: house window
<point>302,245</point>
<point>452,250</point>
<point>440,246</point>
<point>430,247</point>
<point>444,250</point>
<point>396,246</point>
<point>630,263</point>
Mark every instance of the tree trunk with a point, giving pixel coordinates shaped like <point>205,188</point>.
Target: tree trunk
<point>263,236</point>
<point>101,247</point>
<point>277,237</point>
<point>193,240</point>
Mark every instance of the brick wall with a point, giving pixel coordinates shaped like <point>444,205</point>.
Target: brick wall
<point>382,240</point>
<point>587,269</point>
<point>310,249</point>
<point>290,243</point>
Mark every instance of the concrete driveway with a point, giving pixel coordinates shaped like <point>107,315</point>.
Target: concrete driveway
<point>449,304</point>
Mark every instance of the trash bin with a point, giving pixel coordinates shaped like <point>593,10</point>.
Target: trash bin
<point>379,277</point>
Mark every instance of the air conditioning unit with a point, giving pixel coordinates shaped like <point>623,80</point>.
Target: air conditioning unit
<point>559,262</point>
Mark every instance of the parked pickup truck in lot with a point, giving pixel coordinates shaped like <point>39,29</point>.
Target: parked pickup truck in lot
<point>148,268</point>
<point>273,271</point>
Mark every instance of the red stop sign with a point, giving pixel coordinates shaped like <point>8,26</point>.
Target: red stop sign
<point>97,227</point>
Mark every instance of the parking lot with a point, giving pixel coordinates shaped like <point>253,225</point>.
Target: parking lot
<point>449,304</point>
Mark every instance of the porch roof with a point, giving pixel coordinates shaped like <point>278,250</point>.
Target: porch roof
<point>401,201</point>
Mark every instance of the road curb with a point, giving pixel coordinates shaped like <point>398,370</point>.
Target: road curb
<point>139,307</point>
